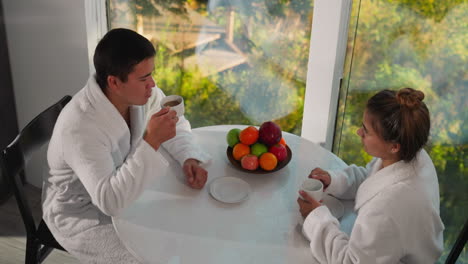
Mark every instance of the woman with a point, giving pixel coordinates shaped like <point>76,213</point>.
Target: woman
<point>396,195</point>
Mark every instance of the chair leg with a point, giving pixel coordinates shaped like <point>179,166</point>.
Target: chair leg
<point>32,250</point>
<point>44,252</point>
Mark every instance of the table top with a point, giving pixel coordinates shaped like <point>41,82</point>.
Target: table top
<point>173,223</point>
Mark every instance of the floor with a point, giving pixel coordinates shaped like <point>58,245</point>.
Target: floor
<point>13,234</point>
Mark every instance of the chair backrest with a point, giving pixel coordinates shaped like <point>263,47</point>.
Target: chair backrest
<point>460,243</point>
<point>16,155</point>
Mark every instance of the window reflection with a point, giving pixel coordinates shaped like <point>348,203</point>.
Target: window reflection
<point>234,62</point>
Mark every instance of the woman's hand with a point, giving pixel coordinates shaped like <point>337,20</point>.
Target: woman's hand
<point>195,174</point>
<point>322,176</point>
<point>308,205</point>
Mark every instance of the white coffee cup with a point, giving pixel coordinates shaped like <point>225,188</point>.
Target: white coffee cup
<point>313,187</point>
<point>175,102</point>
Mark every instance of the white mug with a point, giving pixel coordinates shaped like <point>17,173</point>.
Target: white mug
<point>313,187</point>
<point>175,102</point>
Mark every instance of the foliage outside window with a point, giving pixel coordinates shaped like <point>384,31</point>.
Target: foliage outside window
<point>424,45</point>
<point>234,62</point>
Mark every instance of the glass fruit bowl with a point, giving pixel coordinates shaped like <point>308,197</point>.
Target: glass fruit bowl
<point>259,170</point>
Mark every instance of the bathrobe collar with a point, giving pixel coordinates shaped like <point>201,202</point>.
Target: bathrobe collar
<point>380,179</point>
<point>107,113</point>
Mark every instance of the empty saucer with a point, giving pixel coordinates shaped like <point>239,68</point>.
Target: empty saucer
<point>229,190</point>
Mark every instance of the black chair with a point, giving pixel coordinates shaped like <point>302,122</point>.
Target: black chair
<point>40,242</point>
<point>458,246</point>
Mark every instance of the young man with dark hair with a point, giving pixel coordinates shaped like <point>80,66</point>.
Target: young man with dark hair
<point>103,151</point>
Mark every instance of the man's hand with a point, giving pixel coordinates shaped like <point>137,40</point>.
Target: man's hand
<point>322,176</point>
<point>308,205</point>
<point>161,127</point>
<point>195,174</point>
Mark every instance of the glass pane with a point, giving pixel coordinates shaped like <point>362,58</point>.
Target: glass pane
<point>424,45</point>
<point>234,62</point>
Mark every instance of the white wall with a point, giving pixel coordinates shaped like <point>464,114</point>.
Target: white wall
<point>49,58</point>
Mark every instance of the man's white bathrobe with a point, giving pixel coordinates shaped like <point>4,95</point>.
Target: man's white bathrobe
<point>397,215</point>
<point>98,166</point>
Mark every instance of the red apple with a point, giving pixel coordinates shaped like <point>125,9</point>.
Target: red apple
<point>269,133</point>
<point>249,162</point>
<point>279,151</point>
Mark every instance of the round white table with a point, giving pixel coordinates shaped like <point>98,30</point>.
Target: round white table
<point>173,223</point>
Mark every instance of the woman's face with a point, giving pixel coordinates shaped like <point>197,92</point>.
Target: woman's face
<point>373,143</point>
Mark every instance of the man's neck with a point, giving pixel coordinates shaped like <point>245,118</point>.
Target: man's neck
<point>124,109</point>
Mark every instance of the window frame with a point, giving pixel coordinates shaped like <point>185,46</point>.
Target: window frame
<point>325,69</point>
<point>96,26</point>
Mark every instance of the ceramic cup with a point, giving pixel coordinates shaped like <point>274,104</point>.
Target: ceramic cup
<point>175,102</point>
<point>313,187</point>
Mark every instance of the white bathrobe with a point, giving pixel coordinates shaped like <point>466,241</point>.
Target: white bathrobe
<point>398,215</point>
<point>98,166</point>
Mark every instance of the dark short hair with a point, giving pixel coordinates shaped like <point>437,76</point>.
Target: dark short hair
<point>401,117</point>
<point>118,52</point>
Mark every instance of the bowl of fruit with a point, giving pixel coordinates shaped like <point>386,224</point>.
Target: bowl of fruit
<point>258,151</point>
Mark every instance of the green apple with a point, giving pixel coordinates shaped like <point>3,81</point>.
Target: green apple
<point>232,137</point>
<point>258,149</point>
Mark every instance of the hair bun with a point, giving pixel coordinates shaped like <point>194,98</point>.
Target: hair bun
<point>409,97</point>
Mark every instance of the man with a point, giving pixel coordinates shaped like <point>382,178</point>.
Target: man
<point>101,155</point>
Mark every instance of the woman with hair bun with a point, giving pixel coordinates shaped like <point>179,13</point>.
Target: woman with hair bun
<point>396,194</point>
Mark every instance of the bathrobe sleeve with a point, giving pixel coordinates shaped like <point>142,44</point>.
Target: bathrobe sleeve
<point>374,239</point>
<point>345,182</point>
<point>182,146</point>
<point>89,154</point>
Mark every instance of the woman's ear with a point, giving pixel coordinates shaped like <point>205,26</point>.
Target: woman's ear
<point>395,148</point>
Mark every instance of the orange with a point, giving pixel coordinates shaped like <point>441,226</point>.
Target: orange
<point>240,150</point>
<point>268,161</point>
<point>249,135</point>
<point>282,142</point>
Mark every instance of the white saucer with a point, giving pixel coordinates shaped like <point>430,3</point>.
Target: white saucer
<point>229,190</point>
<point>334,205</point>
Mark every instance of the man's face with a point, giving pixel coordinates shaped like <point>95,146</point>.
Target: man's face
<point>138,87</point>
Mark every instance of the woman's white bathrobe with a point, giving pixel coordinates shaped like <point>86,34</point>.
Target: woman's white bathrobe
<point>398,215</point>
<point>98,166</point>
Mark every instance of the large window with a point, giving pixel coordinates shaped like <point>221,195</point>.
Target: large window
<point>234,62</point>
<point>419,44</point>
